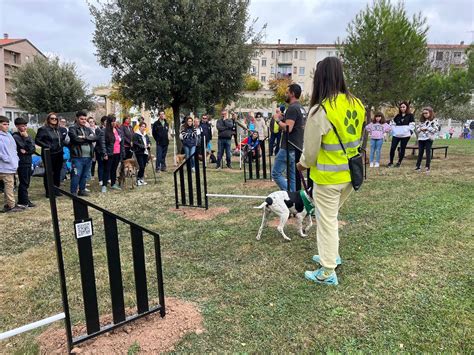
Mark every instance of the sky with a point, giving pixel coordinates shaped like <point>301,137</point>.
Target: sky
<point>64,27</point>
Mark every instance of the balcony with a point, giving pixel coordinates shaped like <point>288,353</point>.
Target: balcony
<point>283,76</point>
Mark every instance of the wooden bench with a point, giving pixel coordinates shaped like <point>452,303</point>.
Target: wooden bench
<point>415,147</point>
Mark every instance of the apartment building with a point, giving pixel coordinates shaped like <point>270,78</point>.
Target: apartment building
<point>298,61</point>
<point>13,54</point>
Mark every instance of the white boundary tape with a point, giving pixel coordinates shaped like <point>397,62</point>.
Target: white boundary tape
<point>235,196</point>
<point>31,326</point>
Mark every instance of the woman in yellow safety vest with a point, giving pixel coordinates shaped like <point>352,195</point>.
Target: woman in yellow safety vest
<point>332,108</point>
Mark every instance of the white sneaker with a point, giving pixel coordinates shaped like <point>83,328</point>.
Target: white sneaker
<point>139,183</point>
<point>377,165</point>
<point>144,182</point>
<point>104,189</point>
<point>100,183</point>
<point>371,164</point>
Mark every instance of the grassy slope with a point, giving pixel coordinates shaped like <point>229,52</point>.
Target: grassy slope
<point>405,283</point>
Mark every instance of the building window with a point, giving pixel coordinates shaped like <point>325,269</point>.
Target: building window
<point>8,114</point>
<point>286,57</point>
<point>295,69</point>
<point>303,55</point>
<point>301,70</point>
<point>457,54</point>
<point>439,55</point>
<point>296,54</point>
<point>264,62</point>
<point>16,58</point>
<point>263,79</point>
<point>273,54</point>
<point>329,53</point>
<point>272,70</point>
<point>253,70</point>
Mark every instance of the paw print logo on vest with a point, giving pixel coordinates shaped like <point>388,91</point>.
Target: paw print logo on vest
<point>351,122</point>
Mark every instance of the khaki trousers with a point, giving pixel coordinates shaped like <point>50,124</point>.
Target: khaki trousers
<point>8,180</point>
<point>329,198</point>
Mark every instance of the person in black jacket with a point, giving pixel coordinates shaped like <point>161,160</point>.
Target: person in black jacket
<point>127,134</point>
<point>225,132</point>
<point>403,126</point>
<point>99,149</point>
<point>160,131</point>
<point>49,136</point>
<point>25,148</point>
<point>188,135</point>
<point>141,146</point>
<point>82,151</point>
<point>206,131</point>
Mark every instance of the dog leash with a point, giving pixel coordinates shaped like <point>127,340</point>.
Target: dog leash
<point>304,182</point>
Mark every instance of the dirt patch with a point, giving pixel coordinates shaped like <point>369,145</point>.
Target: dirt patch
<point>199,214</point>
<point>151,334</point>
<point>260,184</point>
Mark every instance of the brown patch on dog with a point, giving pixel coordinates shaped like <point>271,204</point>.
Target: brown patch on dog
<point>128,171</point>
<point>199,214</point>
<point>151,334</point>
<point>180,158</point>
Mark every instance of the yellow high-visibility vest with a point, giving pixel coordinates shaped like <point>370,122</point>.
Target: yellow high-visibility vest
<point>332,164</point>
<point>276,127</point>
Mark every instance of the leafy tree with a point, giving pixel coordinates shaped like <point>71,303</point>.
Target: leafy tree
<point>445,91</point>
<point>177,53</point>
<point>252,83</point>
<point>384,54</point>
<point>279,86</point>
<point>45,85</point>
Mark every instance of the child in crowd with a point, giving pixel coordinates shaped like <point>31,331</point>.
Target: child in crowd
<point>141,146</point>
<point>377,129</point>
<point>8,165</point>
<point>426,130</point>
<point>25,147</point>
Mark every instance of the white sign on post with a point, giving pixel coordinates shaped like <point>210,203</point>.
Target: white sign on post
<point>83,228</point>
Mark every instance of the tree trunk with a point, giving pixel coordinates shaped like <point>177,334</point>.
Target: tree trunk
<point>177,125</point>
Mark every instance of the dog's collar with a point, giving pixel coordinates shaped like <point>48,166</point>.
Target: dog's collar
<point>308,205</point>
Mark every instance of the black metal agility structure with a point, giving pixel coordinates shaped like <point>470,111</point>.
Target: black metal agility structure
<point>255,166</point>
<point>190,185</point>
<point>84,231</point>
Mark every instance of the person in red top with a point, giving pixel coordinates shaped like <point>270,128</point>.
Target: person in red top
<point>113,153</point>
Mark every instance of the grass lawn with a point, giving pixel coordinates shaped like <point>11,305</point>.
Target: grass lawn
<point>405,285</point>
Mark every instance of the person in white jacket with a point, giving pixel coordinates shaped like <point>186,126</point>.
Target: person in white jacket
<point>426,130</point>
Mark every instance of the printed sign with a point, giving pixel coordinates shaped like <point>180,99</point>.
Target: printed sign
<point>83,228</point>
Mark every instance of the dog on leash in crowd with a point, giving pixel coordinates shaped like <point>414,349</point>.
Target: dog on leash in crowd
<point>180,158</point>
<point>128,170</point>
<point>283,204</point>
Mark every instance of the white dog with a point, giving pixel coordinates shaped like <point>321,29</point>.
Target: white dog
<point>283,203</point>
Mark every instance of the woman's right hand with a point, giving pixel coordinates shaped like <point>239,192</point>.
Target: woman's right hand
<point>106,157</point>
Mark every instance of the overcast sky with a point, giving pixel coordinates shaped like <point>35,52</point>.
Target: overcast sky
<point>64,27</point>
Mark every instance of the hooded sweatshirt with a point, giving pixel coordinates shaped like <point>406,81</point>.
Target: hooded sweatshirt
<point>8,155</point>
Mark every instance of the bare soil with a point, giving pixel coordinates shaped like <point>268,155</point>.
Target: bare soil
<point>151,334</point>
<point>199,214</point>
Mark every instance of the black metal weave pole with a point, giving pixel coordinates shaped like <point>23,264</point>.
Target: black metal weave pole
<point>59,250</point>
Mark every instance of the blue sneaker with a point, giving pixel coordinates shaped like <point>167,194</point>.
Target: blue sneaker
<point>318,277</point>
<point>317,259</point>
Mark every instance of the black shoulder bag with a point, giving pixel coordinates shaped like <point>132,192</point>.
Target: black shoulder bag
<point>356,165</point>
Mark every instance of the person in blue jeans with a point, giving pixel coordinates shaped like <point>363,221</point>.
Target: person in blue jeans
<point>377,129</point>
<point>82,149</point>
<point>188,136</point>
<point>225,131</point>
<point>294,121</point>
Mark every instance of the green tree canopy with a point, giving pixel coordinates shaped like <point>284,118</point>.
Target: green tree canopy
<point>175,52</point>
<point>252,83</point>
<point>46,85</point>
<point>445,91</point>
<point>384,53</point>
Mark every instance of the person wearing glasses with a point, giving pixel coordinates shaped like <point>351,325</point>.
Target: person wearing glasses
<point>49,136</point>
<point>426,131</point>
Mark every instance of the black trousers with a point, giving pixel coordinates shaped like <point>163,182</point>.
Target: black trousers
<point>403,144</point>
<point>24,176</point>
<point>422,146</point>
<point>142,159</point>
<point>110,169</point>
<point>57,163</point>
